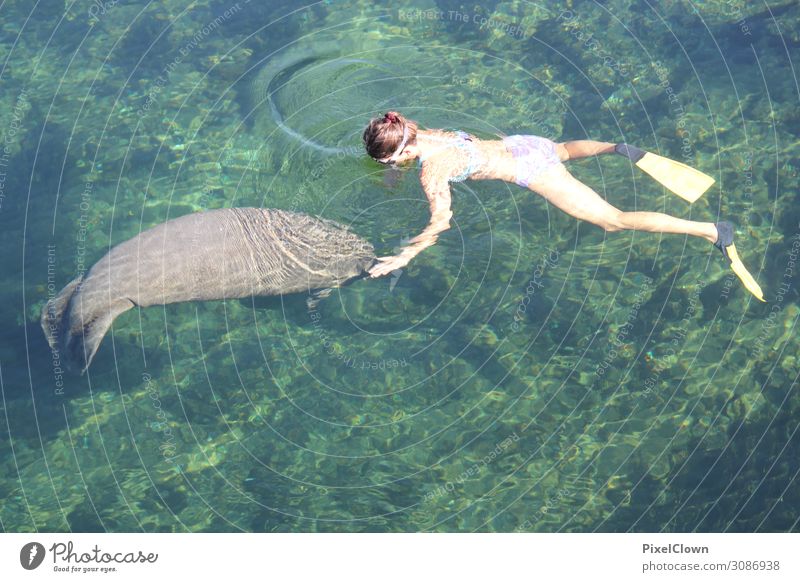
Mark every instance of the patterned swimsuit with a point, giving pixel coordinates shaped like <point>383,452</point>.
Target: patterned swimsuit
<point>463,141</point>
<point>535,155</point>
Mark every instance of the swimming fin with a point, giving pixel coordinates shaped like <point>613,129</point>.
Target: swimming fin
<point>684,181</point>
<point>725,245</point>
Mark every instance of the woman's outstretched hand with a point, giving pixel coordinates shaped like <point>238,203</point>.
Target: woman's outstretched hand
<point>388,264</point>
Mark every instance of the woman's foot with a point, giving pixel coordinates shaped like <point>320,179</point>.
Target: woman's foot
<point>724,237</point>
<point>728,249</point>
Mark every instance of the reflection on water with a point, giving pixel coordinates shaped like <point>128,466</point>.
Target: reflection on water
<point>527,373</point>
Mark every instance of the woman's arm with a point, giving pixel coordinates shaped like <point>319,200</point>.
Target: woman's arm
<point>437,189</point>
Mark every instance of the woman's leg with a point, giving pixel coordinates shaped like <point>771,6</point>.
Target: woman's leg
<point>566,192</point>
<point>573,150</point>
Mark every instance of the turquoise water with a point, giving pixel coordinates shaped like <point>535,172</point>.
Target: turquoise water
<point>527,373</point>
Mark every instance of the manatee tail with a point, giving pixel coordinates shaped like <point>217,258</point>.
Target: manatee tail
<point>53,313</point>
<point>75,324</point>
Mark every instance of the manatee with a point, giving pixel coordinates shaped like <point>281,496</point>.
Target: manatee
<point>217,254</point>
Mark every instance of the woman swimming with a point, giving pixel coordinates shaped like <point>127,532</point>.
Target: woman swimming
<point>530,161</point>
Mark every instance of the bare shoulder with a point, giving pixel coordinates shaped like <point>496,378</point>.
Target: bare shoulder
<point>435,173</point>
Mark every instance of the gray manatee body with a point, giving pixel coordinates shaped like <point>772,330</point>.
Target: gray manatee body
<point>218,254</point>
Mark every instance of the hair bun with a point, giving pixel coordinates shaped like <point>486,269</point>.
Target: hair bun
<point>392,117</point>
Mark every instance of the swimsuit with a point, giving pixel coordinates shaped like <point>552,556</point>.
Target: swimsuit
<point>465,142</point>
<point>534,156</point>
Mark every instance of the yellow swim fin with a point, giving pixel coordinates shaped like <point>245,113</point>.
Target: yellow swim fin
<point>725,245</point>
<point>681,179</point>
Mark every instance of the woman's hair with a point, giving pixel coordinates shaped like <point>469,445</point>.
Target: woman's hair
<point>384,134</point>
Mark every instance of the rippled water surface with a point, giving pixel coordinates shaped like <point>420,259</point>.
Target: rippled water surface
<point>527,373</point>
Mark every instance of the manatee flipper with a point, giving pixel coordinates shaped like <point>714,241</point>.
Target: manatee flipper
<point>316,296</point>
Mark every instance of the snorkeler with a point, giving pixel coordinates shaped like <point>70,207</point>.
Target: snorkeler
<point>535,163</point>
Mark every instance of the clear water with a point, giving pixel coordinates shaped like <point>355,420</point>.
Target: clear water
<point>527,373</point>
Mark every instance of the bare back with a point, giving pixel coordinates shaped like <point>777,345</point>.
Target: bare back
<point>491,159</point>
